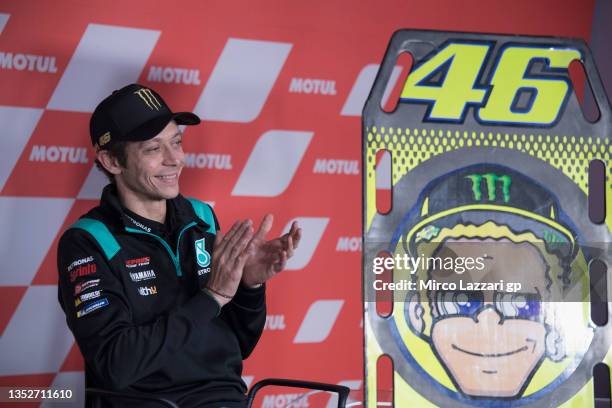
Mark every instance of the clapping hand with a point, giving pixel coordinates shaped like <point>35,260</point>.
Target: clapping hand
<point>267,258</point>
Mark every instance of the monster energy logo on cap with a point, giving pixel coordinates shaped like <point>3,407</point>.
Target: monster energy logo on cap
<point>147,96</point>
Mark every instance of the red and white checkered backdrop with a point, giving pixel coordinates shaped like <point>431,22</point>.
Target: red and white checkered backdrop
<point>279,85</point>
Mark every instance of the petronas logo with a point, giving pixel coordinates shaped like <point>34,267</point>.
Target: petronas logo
<point>202,255</point>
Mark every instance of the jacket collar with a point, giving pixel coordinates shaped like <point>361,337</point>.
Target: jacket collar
<point>179,208</point>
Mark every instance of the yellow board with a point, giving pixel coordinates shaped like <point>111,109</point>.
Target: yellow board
<point>490,156</point>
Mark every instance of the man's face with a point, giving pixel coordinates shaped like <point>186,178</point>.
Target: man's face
<point>154,166</point>
<point>491,343</point>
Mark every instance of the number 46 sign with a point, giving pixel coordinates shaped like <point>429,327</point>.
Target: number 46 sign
<point>514,93</point>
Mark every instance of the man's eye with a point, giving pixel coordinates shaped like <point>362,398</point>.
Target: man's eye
<point>152,149</point>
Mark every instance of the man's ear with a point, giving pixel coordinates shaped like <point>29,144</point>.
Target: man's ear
<point>413,313</point>
<point>109,162</point>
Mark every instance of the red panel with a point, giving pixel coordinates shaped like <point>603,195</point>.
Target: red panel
<point>56,160</point>
<point>331,41</point>
<point>11,296</point>
<point>74,361</point>
<point>35,380</point>
<point>47,272</point>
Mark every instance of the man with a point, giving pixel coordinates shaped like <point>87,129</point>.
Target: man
<point>159,300</point>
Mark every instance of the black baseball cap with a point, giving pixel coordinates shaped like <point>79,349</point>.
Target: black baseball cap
<point>133,113</point>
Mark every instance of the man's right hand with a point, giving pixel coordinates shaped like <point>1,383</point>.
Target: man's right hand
<point>229,256</point>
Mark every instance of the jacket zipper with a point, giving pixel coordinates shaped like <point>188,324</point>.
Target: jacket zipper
<point>174,257</point>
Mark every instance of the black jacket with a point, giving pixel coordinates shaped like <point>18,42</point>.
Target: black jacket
<point>141,320</point>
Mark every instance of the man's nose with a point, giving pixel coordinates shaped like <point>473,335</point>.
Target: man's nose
<point>489,316</point>
<point>173,157</point>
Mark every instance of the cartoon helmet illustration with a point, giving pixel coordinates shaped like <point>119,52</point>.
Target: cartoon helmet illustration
<point>478,193</point>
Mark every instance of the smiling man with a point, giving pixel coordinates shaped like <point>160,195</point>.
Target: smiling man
<point>159,300</point>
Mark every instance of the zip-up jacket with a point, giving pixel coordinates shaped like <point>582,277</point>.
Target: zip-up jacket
<point>131,292</point>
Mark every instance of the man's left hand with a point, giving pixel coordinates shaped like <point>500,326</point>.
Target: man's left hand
<point>268,258</point>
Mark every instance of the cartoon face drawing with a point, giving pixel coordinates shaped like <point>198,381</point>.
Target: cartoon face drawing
<point>491,341</point>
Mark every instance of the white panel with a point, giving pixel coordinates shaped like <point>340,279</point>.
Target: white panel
<point>29,226</point>
<point>248,380</point>
<point>3,20</point>
<point>272,163</point>
<point>353,385</point>
<point>16,127</point>
<point>242,80</point>
<point>319,321</point>
<point>107,58</point>
<point>36,339</point>
<point>383,172</point>
<point>93,185</point>
<point>312,231</point>
<point>361,89</point>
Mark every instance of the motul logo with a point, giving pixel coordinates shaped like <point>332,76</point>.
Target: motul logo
<point>348,244</point>
<point>285,401</point>
<point>313,86</point>
<point>275,322</point>
<point>333,166</point>
<point>62,154</point>
<point>208,161</point>
<point>171,75</point>
<point>28,62</point>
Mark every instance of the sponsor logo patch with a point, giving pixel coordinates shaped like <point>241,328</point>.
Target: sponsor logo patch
<point>147,290</point>
<point>133,263</point>
<point>202,255</point>
<point>98,304</point>
<point>138,224</point>
<point>203,271</point>
<point>142,275</point>
<point>86,297</point>
<point>83,270</point>
<point>83,286</point>
<point>80,262</point>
